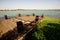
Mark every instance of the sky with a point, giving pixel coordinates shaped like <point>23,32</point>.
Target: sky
<point>29,4</point>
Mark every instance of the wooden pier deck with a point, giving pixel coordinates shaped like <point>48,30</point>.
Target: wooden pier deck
<point>8,27</point>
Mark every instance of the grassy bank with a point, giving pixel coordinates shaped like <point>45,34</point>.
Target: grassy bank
<point>49,29</point>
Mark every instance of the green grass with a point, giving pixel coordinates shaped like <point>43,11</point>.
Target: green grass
<point>49,29</point>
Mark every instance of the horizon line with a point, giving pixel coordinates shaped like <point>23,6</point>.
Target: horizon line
<point>30,9</point>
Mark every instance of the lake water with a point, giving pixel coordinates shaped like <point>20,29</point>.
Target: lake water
<point>50,13</point>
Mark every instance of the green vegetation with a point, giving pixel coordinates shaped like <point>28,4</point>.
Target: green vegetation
<point>49,29</point>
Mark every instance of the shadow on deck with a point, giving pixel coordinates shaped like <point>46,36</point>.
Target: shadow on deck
<point>13,34</point>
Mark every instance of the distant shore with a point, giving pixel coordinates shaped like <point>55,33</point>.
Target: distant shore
<point>28,9</point>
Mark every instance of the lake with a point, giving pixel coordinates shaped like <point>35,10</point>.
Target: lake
<point>50,13</point>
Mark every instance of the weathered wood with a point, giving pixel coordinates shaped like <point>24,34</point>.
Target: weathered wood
<point>20,26</point>
<point>6,17</point>
<point>27,28</point>
<point>19,15</point>
<point>33,14</point>
<point>31,26</point>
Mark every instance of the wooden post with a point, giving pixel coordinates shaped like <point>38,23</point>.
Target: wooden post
<point>6,17</point>
<point>33,14</point>
<point>37,18</point>
<point>19,15</point>
<point>42,16</point>
<point>20,26</point>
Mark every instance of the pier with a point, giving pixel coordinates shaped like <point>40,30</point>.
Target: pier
<point>9,31</point>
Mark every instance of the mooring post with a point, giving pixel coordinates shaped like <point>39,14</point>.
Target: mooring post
<point>5,16</point>
<point>37,18</point>
<point>20,26</point>
<point>33,14</point>
<point>42,16</point>
<point>19,15</point>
